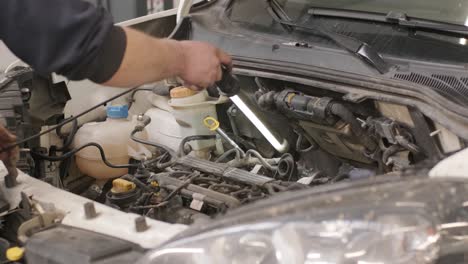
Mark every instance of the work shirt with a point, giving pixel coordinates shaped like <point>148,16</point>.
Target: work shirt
<point>68,37</point>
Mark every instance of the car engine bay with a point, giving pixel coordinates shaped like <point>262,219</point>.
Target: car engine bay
<point>303,152</point>
<point>193,155</point>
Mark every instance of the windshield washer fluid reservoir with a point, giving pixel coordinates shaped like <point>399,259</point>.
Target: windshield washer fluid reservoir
<point>114,137</point>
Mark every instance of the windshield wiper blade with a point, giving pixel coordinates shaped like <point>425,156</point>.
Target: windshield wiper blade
<point>392,17</point>
<point>359,48</point>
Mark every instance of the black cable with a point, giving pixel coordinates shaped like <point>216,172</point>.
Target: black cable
<point>137,182</point>
<point>104,190</point>
<point>192,138</point>
<point>74,151</point>
<point>10,146</point>
<point>163,165</point>
<point>265,163</point>
<point>299,148</point>
<point>58,130</point>
<point>69,139</point>
<point>227,154</point>
<point>286,167</point>
<point>183,185</point>
<point>346,115</point>
<point>169,150</point>
<point>64,167</point>
<point>132,96</point>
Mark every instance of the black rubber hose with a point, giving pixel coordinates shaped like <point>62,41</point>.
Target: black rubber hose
<point>69,139</point>
<point>143,199</point>
<point>74,151</point>
<point>132,96</point>
<point>137,182</point>
<point>163,165</point>
<point>286,167</point>
<point>265,163</point>
<point>169,150</point>
<point>346,115</point>
<point>299,148</point>
<point>227,154</point>
<point>192,138</point>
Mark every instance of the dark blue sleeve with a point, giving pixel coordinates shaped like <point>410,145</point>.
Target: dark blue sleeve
<point>69,37</point>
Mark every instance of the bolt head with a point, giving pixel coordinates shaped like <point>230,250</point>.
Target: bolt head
<point>90,210</point>
<point>140,224</point>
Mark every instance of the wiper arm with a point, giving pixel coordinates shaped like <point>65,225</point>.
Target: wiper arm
<point>361,49</point>
<point>277,12</point>
<point>397,18</point>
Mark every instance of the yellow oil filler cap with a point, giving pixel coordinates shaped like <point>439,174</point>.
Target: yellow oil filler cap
<point>15,253</point>
<point>122,186</point>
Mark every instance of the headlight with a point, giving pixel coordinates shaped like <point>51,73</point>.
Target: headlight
<point>389,238</point>
<point>409,221</point>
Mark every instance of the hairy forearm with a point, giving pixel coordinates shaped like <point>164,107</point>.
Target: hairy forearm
<point>147,59</point>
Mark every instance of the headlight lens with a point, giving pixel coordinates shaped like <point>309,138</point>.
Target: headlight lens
<point>383,238</point>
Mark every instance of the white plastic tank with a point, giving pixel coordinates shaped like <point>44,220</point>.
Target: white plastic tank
<point>163,128</point>
<point>181,116</point>
<point>114,137</point>
<point>190,108</point>
<point>85,95</point>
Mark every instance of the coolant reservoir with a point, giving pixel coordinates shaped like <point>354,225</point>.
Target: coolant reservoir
<point>182,115</point>
<point>190,108</point>
<point>163,128</point>
<point>114,137</point>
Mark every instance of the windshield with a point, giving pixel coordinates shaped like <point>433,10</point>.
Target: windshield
<point>447,11</point>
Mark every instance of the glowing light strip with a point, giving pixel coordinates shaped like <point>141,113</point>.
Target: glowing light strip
<point>280,147</point>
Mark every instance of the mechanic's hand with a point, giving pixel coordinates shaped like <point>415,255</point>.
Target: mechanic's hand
<point>202,64</point>
<point>6,139</point>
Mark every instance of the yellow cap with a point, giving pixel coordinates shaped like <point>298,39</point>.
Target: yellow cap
<point>181,92</point>
<point>122,186</point>
<point>211,123</point>
<point>15,253</point>
<point>154,184</point>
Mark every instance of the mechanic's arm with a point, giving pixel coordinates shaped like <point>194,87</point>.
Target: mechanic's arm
<point>79,41</point>
<point>148,59</point>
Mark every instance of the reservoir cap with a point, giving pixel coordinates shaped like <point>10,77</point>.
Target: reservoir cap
<point>122,186</point>
<point>182,92</point>
<point>117,111</point>
<point>15,253</point>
